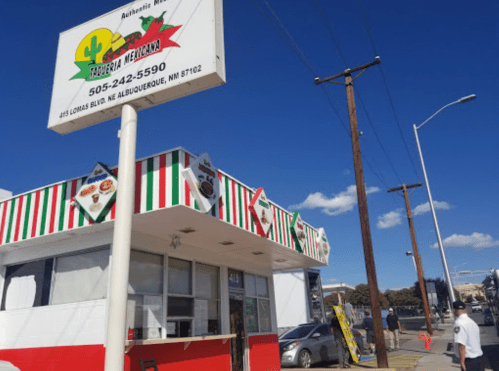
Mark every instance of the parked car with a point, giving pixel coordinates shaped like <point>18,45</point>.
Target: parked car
<point>405,312</point>
<point>310,343</point>
<point>488,318</point>
<point>476,307</point>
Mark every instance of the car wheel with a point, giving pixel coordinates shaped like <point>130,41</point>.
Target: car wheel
<point>304,359</point>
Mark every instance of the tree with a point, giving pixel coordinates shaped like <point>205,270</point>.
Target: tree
<point>480,298</point>
<point>469,298</point>
<point>403,297</point>
<point>332,299</point>
<point>360,296</point>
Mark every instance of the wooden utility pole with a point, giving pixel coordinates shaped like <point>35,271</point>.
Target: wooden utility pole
<point>379,335</point>
<point>417,259</point>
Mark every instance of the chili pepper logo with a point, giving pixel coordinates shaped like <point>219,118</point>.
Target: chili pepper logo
<point>103,53</point>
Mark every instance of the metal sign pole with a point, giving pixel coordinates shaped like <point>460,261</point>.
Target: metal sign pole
<point>120,262</point>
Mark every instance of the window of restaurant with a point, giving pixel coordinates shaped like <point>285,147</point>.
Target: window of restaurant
<point>81,277</point>
<point>193,299</point>
<point>257,303</point>
<point>74,278</point>
<point>180,299</point>
<point>207,301</point>
<point>145,296</point>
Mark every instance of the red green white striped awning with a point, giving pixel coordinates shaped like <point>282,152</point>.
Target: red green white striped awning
<point>158,185</point>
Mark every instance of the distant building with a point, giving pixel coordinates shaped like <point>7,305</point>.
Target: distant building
<point>473,289</point>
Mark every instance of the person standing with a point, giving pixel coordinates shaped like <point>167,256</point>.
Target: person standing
<point>394,329</point>
<point>341,343</point>
<point>349,313</point>
<point>467,340</point>
<point>369,327</point>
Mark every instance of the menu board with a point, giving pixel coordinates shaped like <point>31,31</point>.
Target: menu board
<point>264,307</point>
<point>153,311</point>
<point>251,315</point>
<point>171,328</point>
<point>201,316</point>
<point>97,193</point>
<point>235,279</point>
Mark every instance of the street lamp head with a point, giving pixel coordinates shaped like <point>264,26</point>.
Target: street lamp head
<point>408,253</point>
<point>467,98</point>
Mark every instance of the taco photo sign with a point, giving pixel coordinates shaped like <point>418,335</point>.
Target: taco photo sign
<point>98,193</point>
<point>298,231</point>
<point>261,211</point>
<point>146,53</point>
<point>323,244</point>
<point>202,178</point>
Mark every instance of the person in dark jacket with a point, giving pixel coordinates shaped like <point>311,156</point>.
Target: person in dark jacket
<point>369,327</point>
<point>394,329</point>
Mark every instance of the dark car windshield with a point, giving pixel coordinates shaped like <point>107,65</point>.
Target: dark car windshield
<point>298,332</point>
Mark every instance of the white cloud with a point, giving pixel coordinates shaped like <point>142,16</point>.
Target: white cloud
<point>475,241</point>
<point>339,204</point>
<point>424,208</point>
<point>390,220</point>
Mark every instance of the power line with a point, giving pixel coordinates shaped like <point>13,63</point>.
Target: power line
<point>387,91</point>
<point>379,176</point>
<point>398,123</point>
<point>331,33</point>
<point>367,28</point>
<point>346,65</point>
<point>376,134</point>
<point>310,67</point>
<point>304,60</point>
<point>287,33</point>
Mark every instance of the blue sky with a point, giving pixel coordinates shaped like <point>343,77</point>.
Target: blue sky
<point>270,126</point>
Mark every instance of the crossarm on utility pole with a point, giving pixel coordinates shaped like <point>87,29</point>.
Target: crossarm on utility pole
<point>348,71</point>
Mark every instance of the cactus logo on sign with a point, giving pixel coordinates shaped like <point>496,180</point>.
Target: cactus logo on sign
<point>103,53</point>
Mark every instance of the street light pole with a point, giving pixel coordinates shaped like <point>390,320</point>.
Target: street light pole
<point>430,199</point>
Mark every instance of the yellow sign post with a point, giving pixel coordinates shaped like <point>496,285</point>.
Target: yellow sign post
<point>347,332</point>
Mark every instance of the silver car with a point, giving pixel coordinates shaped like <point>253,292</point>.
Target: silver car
<point>307,344</point>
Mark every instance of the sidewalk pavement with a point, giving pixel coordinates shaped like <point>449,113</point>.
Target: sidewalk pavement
<point>413,356</point>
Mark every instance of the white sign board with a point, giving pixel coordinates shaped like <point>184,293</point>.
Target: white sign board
<point>145,53</point>
<point>298,231</point>
<point>202,178</point>
<point>97,193</point>
<point>323,244</point>
<point>261,212</point>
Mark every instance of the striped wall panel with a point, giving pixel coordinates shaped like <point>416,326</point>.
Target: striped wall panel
<point>158,184</point>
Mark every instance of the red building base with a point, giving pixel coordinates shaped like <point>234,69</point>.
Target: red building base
<point>264,353</point>
<point>198,355</point>
<point>74,358</point>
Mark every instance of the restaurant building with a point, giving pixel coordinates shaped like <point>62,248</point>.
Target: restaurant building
<point>200,292</point>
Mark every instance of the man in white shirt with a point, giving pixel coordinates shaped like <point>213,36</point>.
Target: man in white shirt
<point>349,313</point>
<point>467,340</point>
